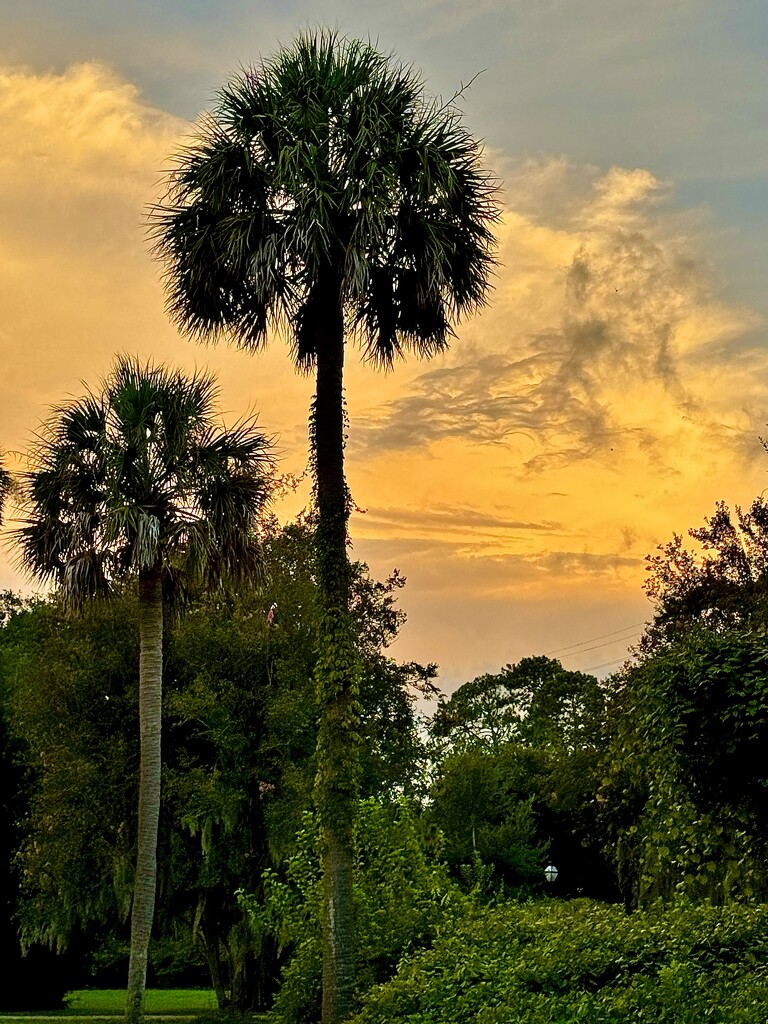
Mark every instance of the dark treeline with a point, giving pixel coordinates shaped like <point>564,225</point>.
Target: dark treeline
<point>646,786</point>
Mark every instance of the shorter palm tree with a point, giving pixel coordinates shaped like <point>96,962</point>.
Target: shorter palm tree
<point>137,481</point>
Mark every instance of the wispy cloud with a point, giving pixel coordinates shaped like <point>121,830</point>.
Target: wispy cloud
<point>440,565</point>
<point>440,520</point>
<point>602,315</point>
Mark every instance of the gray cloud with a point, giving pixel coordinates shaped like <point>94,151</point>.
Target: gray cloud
<point>583,563</point>
<point>550,384</point>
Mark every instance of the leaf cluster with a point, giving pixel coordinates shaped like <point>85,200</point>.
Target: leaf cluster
<point>403,897</point>
<point>720,584</point>
<point>72,694</point>
<point>683,797</point>
<point>579,960</point>
<point>535,702</point>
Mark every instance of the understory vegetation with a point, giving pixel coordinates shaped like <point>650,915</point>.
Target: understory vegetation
<point>551,961</point>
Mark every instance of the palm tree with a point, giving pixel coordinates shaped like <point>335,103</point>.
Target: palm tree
<point>327,196</point>
<point>137,481</point>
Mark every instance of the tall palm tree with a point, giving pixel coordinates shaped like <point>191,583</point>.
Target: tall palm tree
<point>326,195</point>
<point>137,481</point>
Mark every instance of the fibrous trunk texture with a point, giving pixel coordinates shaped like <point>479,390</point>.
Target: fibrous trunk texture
<point>337,675</point>
<point>150,718</point>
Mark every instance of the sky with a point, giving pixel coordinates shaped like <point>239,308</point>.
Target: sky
<point>614,389</point>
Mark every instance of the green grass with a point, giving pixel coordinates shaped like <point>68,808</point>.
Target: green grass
<point>174,1001</point>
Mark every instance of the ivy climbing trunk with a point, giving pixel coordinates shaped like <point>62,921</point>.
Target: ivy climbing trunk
<point>337,668</point>
<point>150,719</point>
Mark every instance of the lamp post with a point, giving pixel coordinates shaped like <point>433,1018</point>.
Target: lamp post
<point>551,873</point>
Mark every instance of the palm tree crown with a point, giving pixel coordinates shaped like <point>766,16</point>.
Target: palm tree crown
<point>137,477</point>
<point>325,169</point>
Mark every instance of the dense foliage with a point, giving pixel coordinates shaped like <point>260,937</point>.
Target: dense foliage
<point>517,760</point>
<point>39,979</point>
<point>403,895</point>
<point>549,962</point>
<point>240,729</point>
<point>683,796</point>
<point>649,786</point>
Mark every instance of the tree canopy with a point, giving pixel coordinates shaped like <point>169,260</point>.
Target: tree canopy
<point>721,583</point>
<point>136,476</point>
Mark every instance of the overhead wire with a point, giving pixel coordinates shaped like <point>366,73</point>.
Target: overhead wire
<point>602,636</point>
<point>605,664</point>
<point>606,643</point>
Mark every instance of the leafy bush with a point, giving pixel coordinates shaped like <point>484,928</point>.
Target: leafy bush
<point>684,794</point>
<point>403,895</point>
<point>553,962</point>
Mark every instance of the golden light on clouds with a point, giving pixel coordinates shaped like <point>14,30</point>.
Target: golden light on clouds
<point>82,163</point>
<point>607,397</point>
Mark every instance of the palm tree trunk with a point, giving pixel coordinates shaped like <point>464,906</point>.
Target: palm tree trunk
<point>337,677</point>
<point>150,717</point>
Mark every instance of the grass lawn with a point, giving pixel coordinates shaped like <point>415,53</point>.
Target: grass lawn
<point>174,1001</point>
<point>91,1005</point>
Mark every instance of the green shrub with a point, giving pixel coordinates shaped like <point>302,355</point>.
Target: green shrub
<point>552,962</point>
<point>403,896</point>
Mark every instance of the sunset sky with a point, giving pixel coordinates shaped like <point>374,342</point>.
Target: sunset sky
<point>614,389</point>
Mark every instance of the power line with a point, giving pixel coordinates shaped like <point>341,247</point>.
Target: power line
<point>601,637</point>
<point>606,664</point>
<point>606,643</point>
